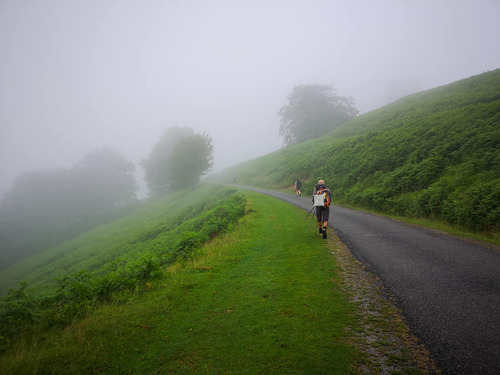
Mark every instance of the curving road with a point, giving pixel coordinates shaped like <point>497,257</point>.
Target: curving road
<point>447,288</point>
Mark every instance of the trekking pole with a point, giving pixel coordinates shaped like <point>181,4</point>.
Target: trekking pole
<point>309,212</point>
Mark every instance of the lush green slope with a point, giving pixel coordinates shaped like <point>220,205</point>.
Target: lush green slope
<point>160,230</point>
<point>112,261</point>
<point>435,154</point>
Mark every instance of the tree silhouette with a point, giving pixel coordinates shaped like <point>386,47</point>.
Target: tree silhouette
<point>45,208</point>
<point>178,160</point>
<point>312,111</point>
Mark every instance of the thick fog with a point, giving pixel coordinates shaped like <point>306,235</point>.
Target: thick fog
<point>83,74</point>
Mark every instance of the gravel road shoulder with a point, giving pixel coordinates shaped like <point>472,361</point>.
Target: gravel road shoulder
<point>386,341</point>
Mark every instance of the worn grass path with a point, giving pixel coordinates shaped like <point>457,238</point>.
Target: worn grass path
<point>265,298</point>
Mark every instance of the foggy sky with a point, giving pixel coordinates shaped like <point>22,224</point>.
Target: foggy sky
<point>77,75</point>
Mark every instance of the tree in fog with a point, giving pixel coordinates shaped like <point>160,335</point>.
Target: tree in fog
<point>105,180</point>
<point>178,160</point>
<point>45,208</point>
<point>33,213</point>
<point>312,111</point>
<point>191,158</point>
<point>155,171</point>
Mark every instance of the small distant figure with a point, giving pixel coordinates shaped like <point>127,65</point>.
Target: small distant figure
<point>321,200</point>
<point>298,185</point>
<point>234,180</point>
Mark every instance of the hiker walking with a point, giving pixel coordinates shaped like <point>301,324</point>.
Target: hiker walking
<point>298,185</point>
<point>321,199</point>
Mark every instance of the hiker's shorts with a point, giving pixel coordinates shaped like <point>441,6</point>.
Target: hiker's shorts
<point>322,214</point>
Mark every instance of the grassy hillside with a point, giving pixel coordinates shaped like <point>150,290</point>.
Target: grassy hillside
<point>159,232</point>
<point>435,154</point>
<point>111,262</point>
<point>266,296</point>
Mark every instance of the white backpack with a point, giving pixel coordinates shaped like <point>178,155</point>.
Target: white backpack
<point>319,200</point>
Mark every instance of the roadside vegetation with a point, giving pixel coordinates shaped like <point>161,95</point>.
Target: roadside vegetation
<point>432,155</point>
<point>116,259</point>
<point>263,296</point>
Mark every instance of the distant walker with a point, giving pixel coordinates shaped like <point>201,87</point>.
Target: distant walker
<point>298,185</point>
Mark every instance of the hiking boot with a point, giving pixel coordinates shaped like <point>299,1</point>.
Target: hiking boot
<point>320,233</point>
<point>324,232</point>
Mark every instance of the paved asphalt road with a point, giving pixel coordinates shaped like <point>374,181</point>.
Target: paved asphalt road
<point>447,288</point>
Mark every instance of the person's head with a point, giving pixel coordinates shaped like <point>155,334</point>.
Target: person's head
<point>321,182</point>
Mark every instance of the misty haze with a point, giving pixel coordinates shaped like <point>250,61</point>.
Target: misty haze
<point>83,75</point>
<point>159,160</point>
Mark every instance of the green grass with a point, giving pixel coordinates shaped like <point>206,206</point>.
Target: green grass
<point>264,298</point>
<point>152,230</point>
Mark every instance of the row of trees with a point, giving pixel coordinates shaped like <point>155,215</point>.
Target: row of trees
<point>46,208</point>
